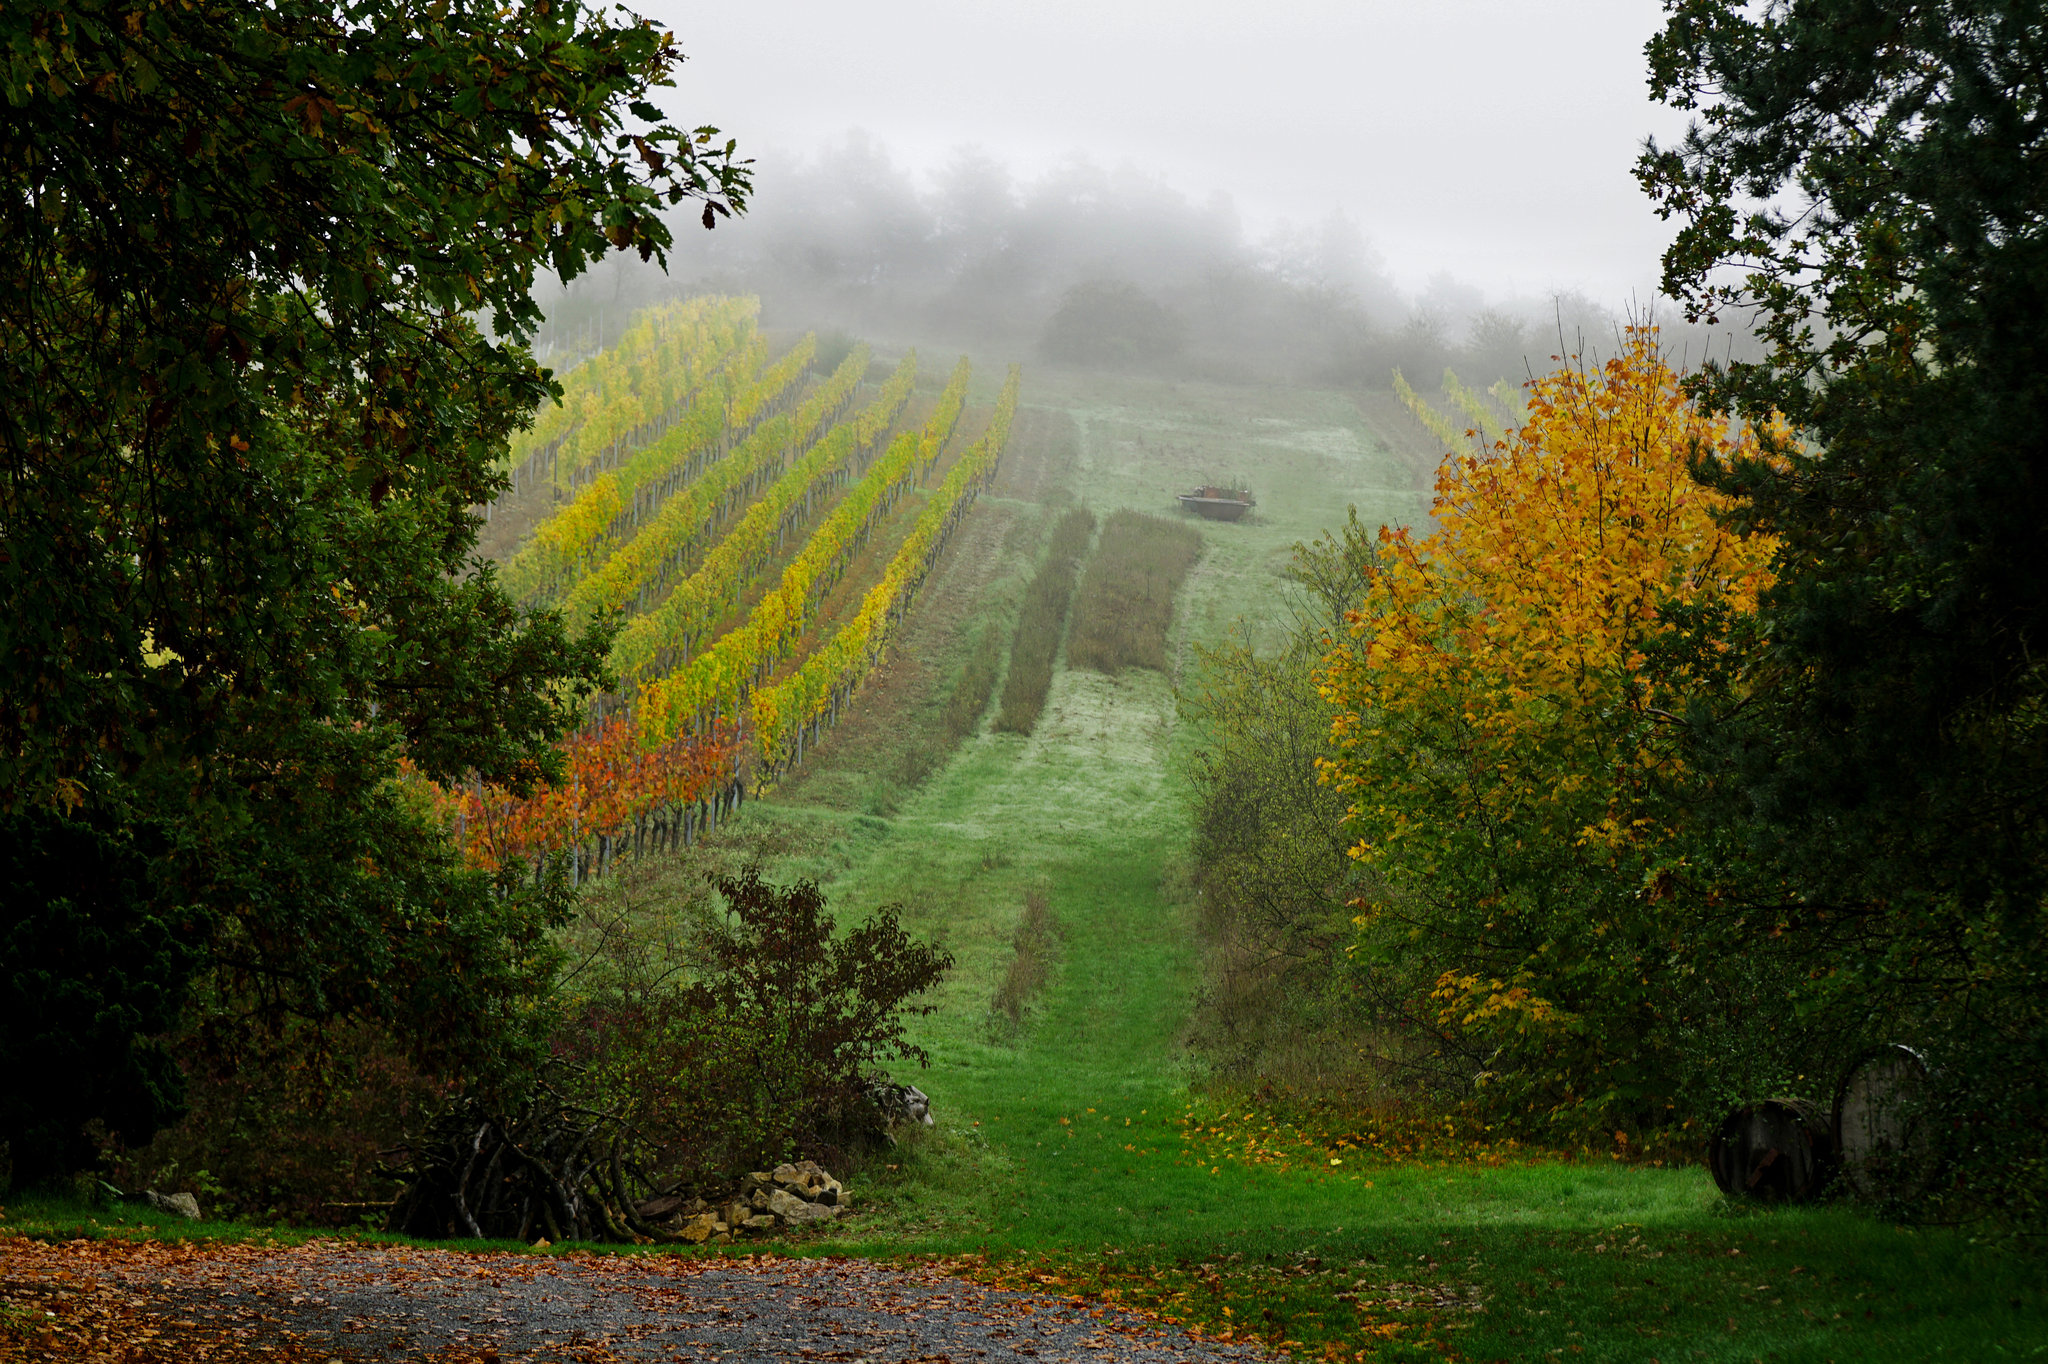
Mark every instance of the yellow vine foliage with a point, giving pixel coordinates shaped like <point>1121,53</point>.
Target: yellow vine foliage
<point>1433,420</point>
<point>1486,423</point>
<point>692,513</point>
<point>1509,397</point>
<point>570,544</point>
<point>838,666</point>
<point>659,360</point>
<point>714,684</point>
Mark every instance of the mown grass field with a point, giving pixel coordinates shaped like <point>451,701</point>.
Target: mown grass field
<point>1079,1152</point>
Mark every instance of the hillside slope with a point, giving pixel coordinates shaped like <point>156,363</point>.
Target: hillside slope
<point>1076,1143</point>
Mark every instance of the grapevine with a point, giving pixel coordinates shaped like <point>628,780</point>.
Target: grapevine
<point>571,543</point>
<point>814,693</point>
<point>643,566</point>
<point>661,362</point>
<point>611,785</point>
<point>714,683</point>
<point>686,458</point>
<point>1485,421</point>
<point>1510,399</point>
<point>1427,415</point>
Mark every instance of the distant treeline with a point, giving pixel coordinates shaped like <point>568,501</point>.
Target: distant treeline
<point>1085,267</point>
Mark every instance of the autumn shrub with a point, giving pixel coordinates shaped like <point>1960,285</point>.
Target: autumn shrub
<point>1041,622</point>
<point>1507,738</point>
<point>762,1048</point>
<point>1124,607</point>
<point>697,1042</point>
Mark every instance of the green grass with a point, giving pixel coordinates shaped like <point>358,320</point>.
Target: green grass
<point>62,1216</point>
<point>1062,1152</point>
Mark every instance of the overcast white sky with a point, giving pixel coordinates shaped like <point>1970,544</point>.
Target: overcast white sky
<point>1488,138</point>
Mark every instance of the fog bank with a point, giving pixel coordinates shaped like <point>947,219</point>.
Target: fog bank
<point>1096,266</point>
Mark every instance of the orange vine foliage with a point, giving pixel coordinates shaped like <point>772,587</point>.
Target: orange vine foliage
<point>610,783</point>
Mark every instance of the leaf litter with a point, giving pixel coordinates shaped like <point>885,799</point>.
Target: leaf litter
<point>124,1301</point>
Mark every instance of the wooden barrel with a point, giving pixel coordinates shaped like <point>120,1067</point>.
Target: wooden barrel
<point>1780,1150</point>
<point>1885,1148</point>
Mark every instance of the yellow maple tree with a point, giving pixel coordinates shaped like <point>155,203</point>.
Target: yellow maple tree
<point>1508,717</point>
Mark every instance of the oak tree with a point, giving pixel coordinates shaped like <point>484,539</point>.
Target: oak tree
<point>1863,179</point>
<point>265,278</point>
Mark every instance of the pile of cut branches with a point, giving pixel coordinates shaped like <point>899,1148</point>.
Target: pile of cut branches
<point>552,1168</point>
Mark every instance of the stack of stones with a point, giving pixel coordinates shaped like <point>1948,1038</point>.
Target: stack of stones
<point>787,1196</point>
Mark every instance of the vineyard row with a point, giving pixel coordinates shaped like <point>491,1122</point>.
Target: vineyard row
<point>712,686</point>
<point>625,396</point>
<point>573,541</point>
<point>791,713</point>
<point>694,461</point>
<point>683,538</point>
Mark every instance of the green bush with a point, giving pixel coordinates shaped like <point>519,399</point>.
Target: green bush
<point>749,1038</point>
<point>1282,999</point>
<point>805,1019</point>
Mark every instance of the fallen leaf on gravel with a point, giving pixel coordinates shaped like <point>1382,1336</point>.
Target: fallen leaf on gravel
<point>120,1301</point>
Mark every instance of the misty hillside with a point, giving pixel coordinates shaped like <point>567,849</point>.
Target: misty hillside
<point>1095,268</point>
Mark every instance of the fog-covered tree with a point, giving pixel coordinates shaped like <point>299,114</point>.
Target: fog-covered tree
<point>848,237</point>
<point>1105,322</point>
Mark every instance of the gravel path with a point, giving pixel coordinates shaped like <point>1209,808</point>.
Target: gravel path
<point>335,1300</point>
